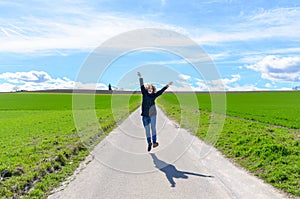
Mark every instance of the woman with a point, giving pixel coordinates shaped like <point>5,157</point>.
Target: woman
<point>148,109</point>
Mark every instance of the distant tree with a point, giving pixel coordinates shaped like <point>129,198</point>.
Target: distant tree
<point>296,88</point>
<point>109,87</point>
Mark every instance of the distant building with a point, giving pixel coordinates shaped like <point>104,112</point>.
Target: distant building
<point>109,87</point>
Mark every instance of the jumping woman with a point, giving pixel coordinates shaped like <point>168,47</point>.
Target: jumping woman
<point>148,109</point>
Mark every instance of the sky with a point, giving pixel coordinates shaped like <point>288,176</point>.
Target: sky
<point>253,45</point>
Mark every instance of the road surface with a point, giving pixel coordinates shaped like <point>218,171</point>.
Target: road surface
<point>182,166</point>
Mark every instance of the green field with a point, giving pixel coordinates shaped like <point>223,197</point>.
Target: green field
<point>278,108</point>
<point>39,143</point>
<point>261,131</point>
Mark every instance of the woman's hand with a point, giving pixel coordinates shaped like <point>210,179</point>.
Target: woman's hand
<point>139,74</point>
<point>170,83</point>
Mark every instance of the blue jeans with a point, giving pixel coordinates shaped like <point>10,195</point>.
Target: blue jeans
<point>147,122</point>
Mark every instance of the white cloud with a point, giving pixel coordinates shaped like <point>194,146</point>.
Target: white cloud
<point>85,32</point>
<point>285,50</point>
<point>32,76</point>
<point>279,22</point>
<point>278,16</point>
<point>247,87</point>
<point>234,78</point>
<point>225,84</point>
<point>40,80</point>
<point>90,86</point>
<point>184,77</point>
<point>220,56</point>
<point>201,85</point>
<point>277,69</point>
<point>6,87</point>
<point>196,84</point>
<point>268,85</point>
<point>186,60</point>
<point>76,26</point>
<point>182,86</point>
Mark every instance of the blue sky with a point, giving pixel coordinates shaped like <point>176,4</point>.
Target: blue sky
<point>254,45</point>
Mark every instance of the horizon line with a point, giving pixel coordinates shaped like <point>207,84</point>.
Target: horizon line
<point>93,91</point>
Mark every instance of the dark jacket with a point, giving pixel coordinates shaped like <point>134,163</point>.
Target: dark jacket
<point>148,103</point>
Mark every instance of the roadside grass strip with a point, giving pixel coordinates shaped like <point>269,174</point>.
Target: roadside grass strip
<point>39,144</point>
<point>262,138</point>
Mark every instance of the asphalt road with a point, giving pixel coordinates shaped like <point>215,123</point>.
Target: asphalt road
<point>181,166</point>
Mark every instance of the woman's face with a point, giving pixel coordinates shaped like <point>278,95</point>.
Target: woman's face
<point>150,90</point>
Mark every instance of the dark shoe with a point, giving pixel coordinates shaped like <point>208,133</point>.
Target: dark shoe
<point>149,147</point>
<point>155,144</point>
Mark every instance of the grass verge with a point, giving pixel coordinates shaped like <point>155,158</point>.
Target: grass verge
<point>271,153</point>
<point>40,145</point>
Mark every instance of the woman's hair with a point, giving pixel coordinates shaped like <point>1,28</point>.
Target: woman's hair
<point>150,85</point>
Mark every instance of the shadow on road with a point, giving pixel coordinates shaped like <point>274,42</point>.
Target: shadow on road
<point>171,171</point>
